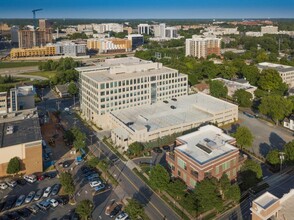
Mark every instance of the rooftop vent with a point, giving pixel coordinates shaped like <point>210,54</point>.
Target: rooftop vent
<point>173,107</point>
<point>165,101</point>
<point>9,130</point>
<point>204,148</point>
<point>174,99</point>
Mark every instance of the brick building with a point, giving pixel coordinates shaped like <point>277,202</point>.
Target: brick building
<point>207,152</point>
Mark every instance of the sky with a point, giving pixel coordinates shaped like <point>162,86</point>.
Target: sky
<point>125,9</point>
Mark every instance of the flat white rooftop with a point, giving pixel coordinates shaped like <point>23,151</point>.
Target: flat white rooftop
<point>206,144</point>
<point>266,200</point>
<point>185,109</point>
<point>235,85</point>
<point>278,67</point>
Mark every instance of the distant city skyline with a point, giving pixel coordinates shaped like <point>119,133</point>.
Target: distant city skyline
<point>131,9</point>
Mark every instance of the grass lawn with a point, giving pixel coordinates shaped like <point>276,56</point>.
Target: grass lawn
<point>17,64</point>
<point>47,74</point>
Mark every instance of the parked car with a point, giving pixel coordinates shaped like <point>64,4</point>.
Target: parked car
<point>53,202</point>
<point>13,215</point>
<point>85,169</point>
<point>115,211</point>
<point>62,200</point>
<point>157,150</point>
<point>40,177</point>
<point>44,205</point>
<point>95,183</point>
<point>30,178</point>
<point>3,186</point>
<point>9,202</point>
<point>30,197</point>
<point>47,192</point>
<point>34,208</point>
<point>21,182</point>
<point>94,175</point>
<point>38,194</point>
<point>25,212</point>
<point>99,187</point>
<point>20,200</point>
<point>91,179</point>
<point>122,216</point>
<point>50,175</point>
<point>75,216</point>
<point>11,183</point>
<point>166,148</point>
<point>55,189</point>
<point>65,164</point>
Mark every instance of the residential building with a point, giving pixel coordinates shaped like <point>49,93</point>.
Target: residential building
<point>107,27</point>
<point>234,85</point>
<point>28,38</point>
<point>159,30</point>
<point>46,25</point>
<point>151,122</point>
<point>70,49</point>
<point>14,34</point>
<point>126,82</point>
<point>62,90</point>
<point>3,103</point>
<point>269,29</point>
<point>269,206</point>
<point>289,122</point>
<point>219,31</point>
<point>137,40</point>
<point>144,29</point>
<point>254,34</point>
<point>32,52</point>
<point>171,32</point>
<point>207,152</point>
<point>286,72</point>
<point>201,46</point>
<point>21,137</point>
<point>109,45</point>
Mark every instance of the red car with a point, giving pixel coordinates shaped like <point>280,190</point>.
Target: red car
<point>40,178</point>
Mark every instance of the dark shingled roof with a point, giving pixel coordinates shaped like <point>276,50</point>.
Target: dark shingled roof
<point>25,131</point>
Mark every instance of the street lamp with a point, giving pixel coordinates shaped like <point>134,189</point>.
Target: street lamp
<point>282,157</point>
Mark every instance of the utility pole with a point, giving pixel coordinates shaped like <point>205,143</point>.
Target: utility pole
<point>282,157</point>
<point>58,103</point>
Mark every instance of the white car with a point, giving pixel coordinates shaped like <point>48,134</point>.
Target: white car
<point>54,203</point>
<point>95,183</point>
<point>47,192</point>
<point>122,216</point>
<point>30,178</point>
<point>11,183</point>
<point>3,186</point>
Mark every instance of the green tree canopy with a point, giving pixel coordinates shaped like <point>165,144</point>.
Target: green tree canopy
<point>251,174</point>
<point>234,193</point>
<point>273,157</point>
<point>218,89</point>
<point>134,209</point>
<point>270,80</point>
<point>244,137</point>
<point>177,188</point>
<point>13,166</point>
<point>85,208</point>
<point>276,107</point>
<point>289,152</point>
<point>135,148</point>
<point>67,183</point>
<point>250,73</point>
<point>159,177</point>
<point>243,98</point>
<point>79,138</point>
<point>72,89</point>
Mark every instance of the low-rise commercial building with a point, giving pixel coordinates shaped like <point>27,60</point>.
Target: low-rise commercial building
<point>208,152</point>
<point>219,31</point>
<point>201,46</point>
<point>109,45</point>
<point>286,72</point>
<point>137,40</point>
<point>62,90</point>
<point>233,86</point>
<point>126,82</point>
<point>21,137</point>
<point>269,29</point>
<point>170,116</point>
<point>32,52</point>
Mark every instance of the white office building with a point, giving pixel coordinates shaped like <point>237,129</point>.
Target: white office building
<point>107,27</point>
<point>159,30</point>
<point>269,30</point>
<point>70,49</point>
<point>144,29</point>
<point>124,83</point>
<point>171,32</point>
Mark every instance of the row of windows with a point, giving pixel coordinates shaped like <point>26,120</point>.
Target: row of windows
<point>123,102</point>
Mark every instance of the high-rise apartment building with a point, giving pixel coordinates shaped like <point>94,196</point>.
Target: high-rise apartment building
<point>171,32</point>
<point>159,30</point>
<point>201,46</point>
<point>14,34</point>
<point>144,29</point>
<point>126,82</point>
<point>109,45</point>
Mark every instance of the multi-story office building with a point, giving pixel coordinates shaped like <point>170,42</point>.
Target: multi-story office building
<point>14,34</point>
<point>286,72</point>
<point>219,31</point>
<point>149,123</point>
<point>171,32</point>
<point>201,46</point>
<point>106,27</point>
<point>70,49</point>
<point>208,152</point>
<point>144,29</point>
<point>136,39</point>
<point>269,30</point>
<point>109,45</point>
<point>3,103</point>
<point>159,30</point>
<point>126,82</point>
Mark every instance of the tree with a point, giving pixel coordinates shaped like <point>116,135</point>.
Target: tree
<point>224,186</point>
<point>207,193</point>
<point>270,80</point>
<point>13,166</point>
<point>289,152</point>
<point>159,177</point>
<point>134,209</point>
<point>136,148</point>
<point>243,98</point>
<point>251,74</point>
<point>85,208</point>
<point>79,138</point>
<point>251,174</point>
<point>234,193</point>
<point>218,89</point>
<point>67,183</point>
<point>244,137</point>
<point>273,157</point>
<point>276,107</point>
<point>93,162</point>
<point>177,188</point>
<point>72,89</point>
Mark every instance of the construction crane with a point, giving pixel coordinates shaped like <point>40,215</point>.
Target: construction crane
<point>34,16</point>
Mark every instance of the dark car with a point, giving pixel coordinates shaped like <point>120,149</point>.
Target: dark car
<point>9,203</point>
<point>50,175</point>
<point>75,216</point>
<point>115,211</point>
<point>13,215</point>
<point>166,148</point>
<point>85,169</point>
<point>55,189</point>
<point>62,200</point>
<point>65,164</point>
<point>24,212</point>
<point>157,150</point>
<point>21,182</point>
